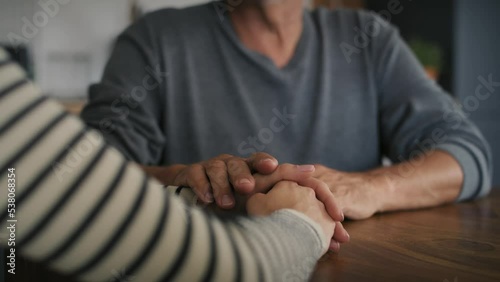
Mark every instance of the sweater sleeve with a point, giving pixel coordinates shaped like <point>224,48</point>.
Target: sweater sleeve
<point>125,106</point>
<point>83,210</point>
<point>417,116</point>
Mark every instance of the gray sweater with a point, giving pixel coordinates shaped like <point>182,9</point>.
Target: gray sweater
<point>180,88</point>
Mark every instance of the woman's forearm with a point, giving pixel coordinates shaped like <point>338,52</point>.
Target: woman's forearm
<point>84,211</point>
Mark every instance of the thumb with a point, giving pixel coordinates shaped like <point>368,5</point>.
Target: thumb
<point>295,173</point>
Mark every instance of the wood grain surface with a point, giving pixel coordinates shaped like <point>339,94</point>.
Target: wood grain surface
<point>452,243</point>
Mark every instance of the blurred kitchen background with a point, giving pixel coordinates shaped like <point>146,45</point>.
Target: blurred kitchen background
<point>64,44</point>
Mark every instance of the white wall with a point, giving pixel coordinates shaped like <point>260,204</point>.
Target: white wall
<point>70,40</point>
<point>77,44</point>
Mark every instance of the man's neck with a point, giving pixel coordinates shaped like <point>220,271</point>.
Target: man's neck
<point>272,28</point>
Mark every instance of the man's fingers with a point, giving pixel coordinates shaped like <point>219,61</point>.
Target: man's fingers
<point>288,172</point>
<point>324,194</point>
<point>216,171</point>
<point>262,163</point>
<point>196,178</point>
<point>240,175</point>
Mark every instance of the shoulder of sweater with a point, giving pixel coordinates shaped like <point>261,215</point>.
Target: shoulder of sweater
<point>185,19</point>
<point>349,19</point>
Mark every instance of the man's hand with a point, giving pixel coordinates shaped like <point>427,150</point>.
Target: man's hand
<point>215,179</point>
<point>290,195</point>
<point>357,193</point>
<point>299,174</point>
<point>436,179</point>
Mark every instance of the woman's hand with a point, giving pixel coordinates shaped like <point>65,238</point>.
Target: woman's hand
<point>290,195</point>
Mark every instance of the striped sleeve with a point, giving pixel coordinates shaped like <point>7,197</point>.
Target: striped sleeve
<point>84,211</point>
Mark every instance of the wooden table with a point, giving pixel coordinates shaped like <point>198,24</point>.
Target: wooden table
<point>453,243</point>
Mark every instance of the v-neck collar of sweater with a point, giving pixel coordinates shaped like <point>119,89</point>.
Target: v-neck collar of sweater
<point>264,61</point>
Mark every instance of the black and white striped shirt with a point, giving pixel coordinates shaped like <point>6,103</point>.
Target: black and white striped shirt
<point>84,211</point>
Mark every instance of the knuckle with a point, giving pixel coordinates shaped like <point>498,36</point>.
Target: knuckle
<point>218,177</point>
<point>181,177</point>
<point>256,155</point>
<point>216,165</point>
<point>191,174</point>
<point>284,167</point>
<point>195,185</point>
<point>224,156</point>
<point>310,193</point>
<point>281,185</point>
<point>193,171</point>
<point>195,168</point>
<point>288,184</point>
<point>262,155</point>
<point>320,204</point>
<point>235,164</point>
<point>219,180</point>
<point>222,180</point>
<point>319,166</point>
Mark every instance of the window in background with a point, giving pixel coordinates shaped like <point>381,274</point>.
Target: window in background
<point>425,24</point>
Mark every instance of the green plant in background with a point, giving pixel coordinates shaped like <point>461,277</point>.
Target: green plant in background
<point>428,53</point>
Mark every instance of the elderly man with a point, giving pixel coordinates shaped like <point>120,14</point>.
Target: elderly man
<point>194,94</point>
